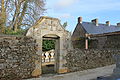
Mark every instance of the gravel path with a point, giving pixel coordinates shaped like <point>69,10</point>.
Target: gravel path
<point>80,75</point>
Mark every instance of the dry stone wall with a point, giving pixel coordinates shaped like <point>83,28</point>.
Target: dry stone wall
<point>78,60</point>
<point>17,57</point>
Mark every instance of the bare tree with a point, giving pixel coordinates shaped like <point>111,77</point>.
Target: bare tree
<point>23,13</point>
<point>2,17</point>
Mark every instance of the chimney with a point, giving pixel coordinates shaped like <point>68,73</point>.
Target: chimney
<point>108,23</point>
<point>95,21</point>
<point>118,24</point>
<point>79,19</point>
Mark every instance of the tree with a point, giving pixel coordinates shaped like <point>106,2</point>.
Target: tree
<point>65,25</point>
<point>23,13</point>
<point>2,17</point>
<point>48,45</point>
<point>29,14</point>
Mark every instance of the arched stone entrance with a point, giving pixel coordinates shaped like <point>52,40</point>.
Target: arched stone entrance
<point>50,59</point>
<point>48,27</point>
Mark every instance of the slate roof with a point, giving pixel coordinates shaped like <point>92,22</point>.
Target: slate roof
<point>100,29</point>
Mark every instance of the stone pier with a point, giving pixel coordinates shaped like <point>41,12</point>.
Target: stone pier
<point>116,71</point>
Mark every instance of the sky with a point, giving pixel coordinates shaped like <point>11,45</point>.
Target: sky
<point>70,10</point>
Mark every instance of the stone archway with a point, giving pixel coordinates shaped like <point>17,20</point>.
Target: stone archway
<point>51,27</point>
<point>46,60</point>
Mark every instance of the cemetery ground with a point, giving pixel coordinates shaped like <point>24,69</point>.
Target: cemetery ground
<point>90,74</point>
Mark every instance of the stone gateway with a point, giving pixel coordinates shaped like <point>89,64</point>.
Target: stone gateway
<point>50,28</point>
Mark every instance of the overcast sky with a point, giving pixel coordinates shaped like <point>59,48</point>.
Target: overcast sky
<point>70,10</point>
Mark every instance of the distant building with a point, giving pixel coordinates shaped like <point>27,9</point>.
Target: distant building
<point>95,35</point>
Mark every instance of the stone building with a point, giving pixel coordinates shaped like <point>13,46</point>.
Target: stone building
<point>51,29</point>
<point>96,35</point>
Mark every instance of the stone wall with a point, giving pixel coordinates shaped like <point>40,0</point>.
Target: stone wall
<point>17,57</point>
<point>104,42</point>
<point>93,44</point>
<point>112,42</point>
<point>78,60</point>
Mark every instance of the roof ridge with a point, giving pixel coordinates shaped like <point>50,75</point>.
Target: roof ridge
<point>100,29</point>
<point>100,23</point>
<point>49,17</point>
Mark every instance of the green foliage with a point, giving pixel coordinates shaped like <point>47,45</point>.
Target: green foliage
<point>65,25</point>
<point>11,32</point>
<point>48,45</point>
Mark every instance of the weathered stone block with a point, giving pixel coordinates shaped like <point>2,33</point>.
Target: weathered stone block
<point>2,66</point>
<point>63,70</point>
<point>2,60</point>
<point>36,73</point>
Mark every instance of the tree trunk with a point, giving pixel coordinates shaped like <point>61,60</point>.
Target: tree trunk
<point>3,17</point>
<point>23,13</point>
<point>16,15</point>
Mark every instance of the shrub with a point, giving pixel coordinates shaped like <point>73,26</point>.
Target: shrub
<point>48,45</point>
<point>11,32</point>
